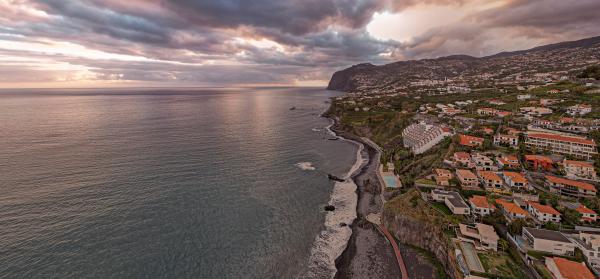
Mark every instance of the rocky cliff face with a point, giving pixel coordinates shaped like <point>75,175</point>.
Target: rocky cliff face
<point>344,80</point>
<point>413,222</point>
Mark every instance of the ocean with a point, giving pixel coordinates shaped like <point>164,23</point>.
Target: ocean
<point>171,183</point>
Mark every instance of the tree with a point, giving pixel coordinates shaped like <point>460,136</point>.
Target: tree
<point>551,226</point>
<point>516,227</point>
<point>503,243</point>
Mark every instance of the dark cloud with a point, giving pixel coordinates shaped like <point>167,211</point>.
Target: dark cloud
<point>201,40</point>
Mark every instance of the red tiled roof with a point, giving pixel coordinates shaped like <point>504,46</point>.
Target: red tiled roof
<point>481,202</point>
<point>583,164</point>
<point>466,140</point>
<point>462,155</point>
<point>466,174</point>
<point>489,175</point>
<point>572,270</point>
<point>569,182</point>
<point>538,158</point>
<point>544,208</point>
<point>511,207</point>
<point>561,138</point>
<point>515,176</point>
<point>583,209</point>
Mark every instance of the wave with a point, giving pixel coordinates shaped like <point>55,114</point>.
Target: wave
<point>306,166</point>
<point>332,241</point>
<point>316,129</point>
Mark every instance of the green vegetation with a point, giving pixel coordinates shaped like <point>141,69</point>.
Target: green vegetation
<point>441,207</point>
<point>500,265</point>
<point>591,72</point>
<point>543,271</point>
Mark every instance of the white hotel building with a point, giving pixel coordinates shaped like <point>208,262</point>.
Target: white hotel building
<point>420,137</point>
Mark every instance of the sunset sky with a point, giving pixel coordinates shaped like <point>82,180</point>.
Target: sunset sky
<point>106,43</point>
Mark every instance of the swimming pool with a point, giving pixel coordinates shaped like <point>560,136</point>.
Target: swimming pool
<point>390,181</point>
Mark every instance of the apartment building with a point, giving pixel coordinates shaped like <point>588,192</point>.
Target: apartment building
<point>571,188</point>
<point>515,180</point>
<point>579,169</point>
<point>562,144</point>
<point>467,179</point>
<point>548,241</point>
<point>490,179</point>
<point>510,140</point>
<point>480,205</point>
<point>543,213</point>
<point>421,137</point>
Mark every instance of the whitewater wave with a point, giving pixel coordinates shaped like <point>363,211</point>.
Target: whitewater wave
<point>316,129</point>
<point>332,241</point>
<point>306,166</point>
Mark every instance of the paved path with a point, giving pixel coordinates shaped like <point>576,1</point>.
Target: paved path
<point>396,251</point>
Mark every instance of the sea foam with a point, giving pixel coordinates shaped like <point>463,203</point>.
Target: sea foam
<point>332,241</point>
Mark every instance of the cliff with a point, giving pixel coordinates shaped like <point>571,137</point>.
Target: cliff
<point>397,76</point>
<point>414,222</point>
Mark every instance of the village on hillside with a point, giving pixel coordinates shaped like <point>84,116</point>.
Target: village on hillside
<point>512,169</point>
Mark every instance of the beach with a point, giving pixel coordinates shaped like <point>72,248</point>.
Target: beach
<point>368,254</point>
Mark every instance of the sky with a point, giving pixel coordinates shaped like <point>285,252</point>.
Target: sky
<point>132,43</point>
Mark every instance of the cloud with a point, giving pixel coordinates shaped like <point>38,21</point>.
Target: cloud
<point>271,41</point>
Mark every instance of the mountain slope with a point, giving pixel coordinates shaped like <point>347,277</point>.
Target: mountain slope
<point>397,76</point>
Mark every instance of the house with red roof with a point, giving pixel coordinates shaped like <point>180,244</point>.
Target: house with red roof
<point>587,215</point>
<point>468,179</point>
<point>480,205</point>
<point>511,210</point>
<point>539,162</point>
<point>579,169</point>
<point>543,213</point>
<point>515,180</point>
<point>462,158</point>
<point>562,268</point>
<point>508,162</point>
<point>490,179</point>
<point>470,141</point>
<point>570,188</point>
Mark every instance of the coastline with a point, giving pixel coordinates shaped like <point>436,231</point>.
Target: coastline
<point>367,253</point>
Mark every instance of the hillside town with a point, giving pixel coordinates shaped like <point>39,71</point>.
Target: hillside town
<point>506,157</point>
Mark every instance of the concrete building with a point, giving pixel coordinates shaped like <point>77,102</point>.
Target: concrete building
<point>467,179</point>
<point>483,163</point>
<point>452,200</point>
<point>508,162</point>
<point>490,179</point>
<point>579,109</point>
<point>570,188</point>
<point>470,141</point>
<point>589,244</point>
<point>515,180</point>
<point>462,158</point>
<point>539,162</point>
<point>512,141</point>
<point>543,213</point>
<point>565,269</point>
<point>511,210</point>
<point>548,241</point>
<point>483,236</point>
<point>442,177</point>
<point>420,137</point>
<point>480,205</point>
<point>561,144</point>
<point>579,169</point>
